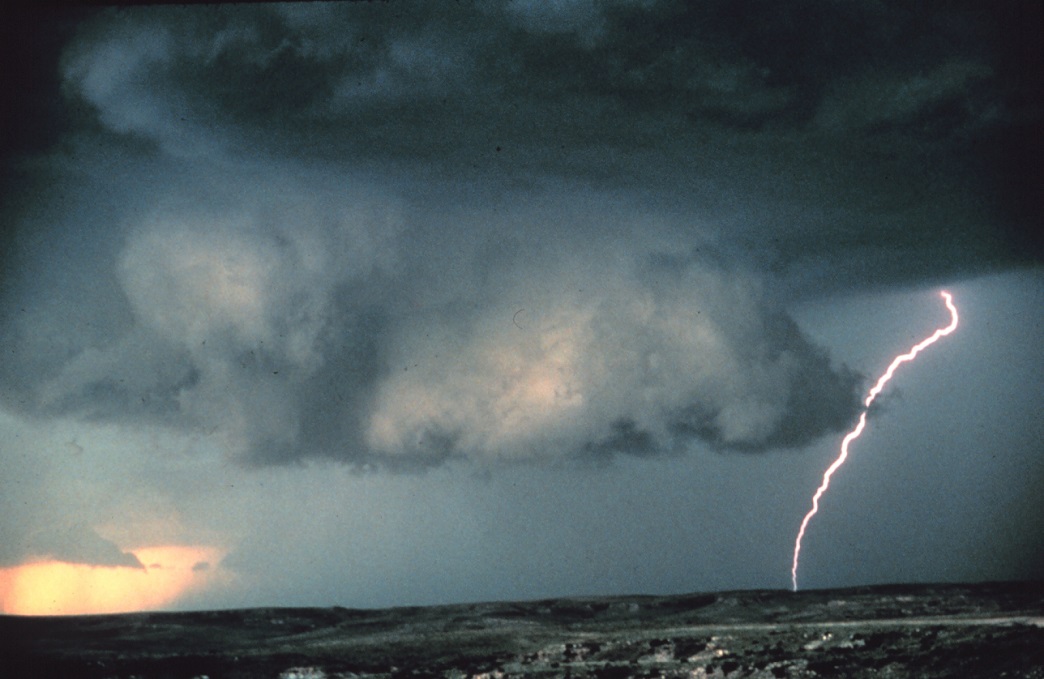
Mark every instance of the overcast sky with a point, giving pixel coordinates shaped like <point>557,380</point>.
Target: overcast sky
<point>380,304</point>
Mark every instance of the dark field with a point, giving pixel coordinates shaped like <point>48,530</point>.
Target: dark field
<point>982,630</point>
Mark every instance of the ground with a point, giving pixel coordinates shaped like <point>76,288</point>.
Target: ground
<point>977,630</point>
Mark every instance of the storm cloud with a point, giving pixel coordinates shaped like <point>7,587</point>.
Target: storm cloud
<point>612,275</point>
<point>394,235</point>
<point>318,327</point>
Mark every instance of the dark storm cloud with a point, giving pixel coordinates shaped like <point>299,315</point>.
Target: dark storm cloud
<point>350,204</point>
<point>870,120</point>
<point>419,79</point>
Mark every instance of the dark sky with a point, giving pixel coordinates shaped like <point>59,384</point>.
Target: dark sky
<point>396,303</point>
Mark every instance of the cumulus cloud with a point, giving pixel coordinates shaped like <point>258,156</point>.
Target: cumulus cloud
<point>235,314</point>
<point>351,206</point>
<point>349,324</point>
<point>639,363</point>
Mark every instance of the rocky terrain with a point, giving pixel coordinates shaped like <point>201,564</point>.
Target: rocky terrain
<point>980,630</point>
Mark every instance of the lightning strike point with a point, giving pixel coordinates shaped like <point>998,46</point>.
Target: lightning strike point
<point>855,433</point>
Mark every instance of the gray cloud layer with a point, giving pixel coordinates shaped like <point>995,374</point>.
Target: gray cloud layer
<point>394,235</point>
<point>895,130</point>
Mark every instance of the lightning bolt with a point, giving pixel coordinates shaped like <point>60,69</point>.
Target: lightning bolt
<point>854,434</point>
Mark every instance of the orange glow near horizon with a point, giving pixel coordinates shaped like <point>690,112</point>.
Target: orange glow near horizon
<point>58,588</point>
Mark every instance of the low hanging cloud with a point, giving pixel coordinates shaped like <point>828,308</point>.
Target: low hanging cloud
<point>637,365</point>
<point>516,231</point>
<point>327,327</point>
<point>65,541</point>
<point>80,544</point>
<point>239,318</point>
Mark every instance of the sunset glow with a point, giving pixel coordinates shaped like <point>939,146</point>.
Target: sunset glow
<point>58,588</point>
